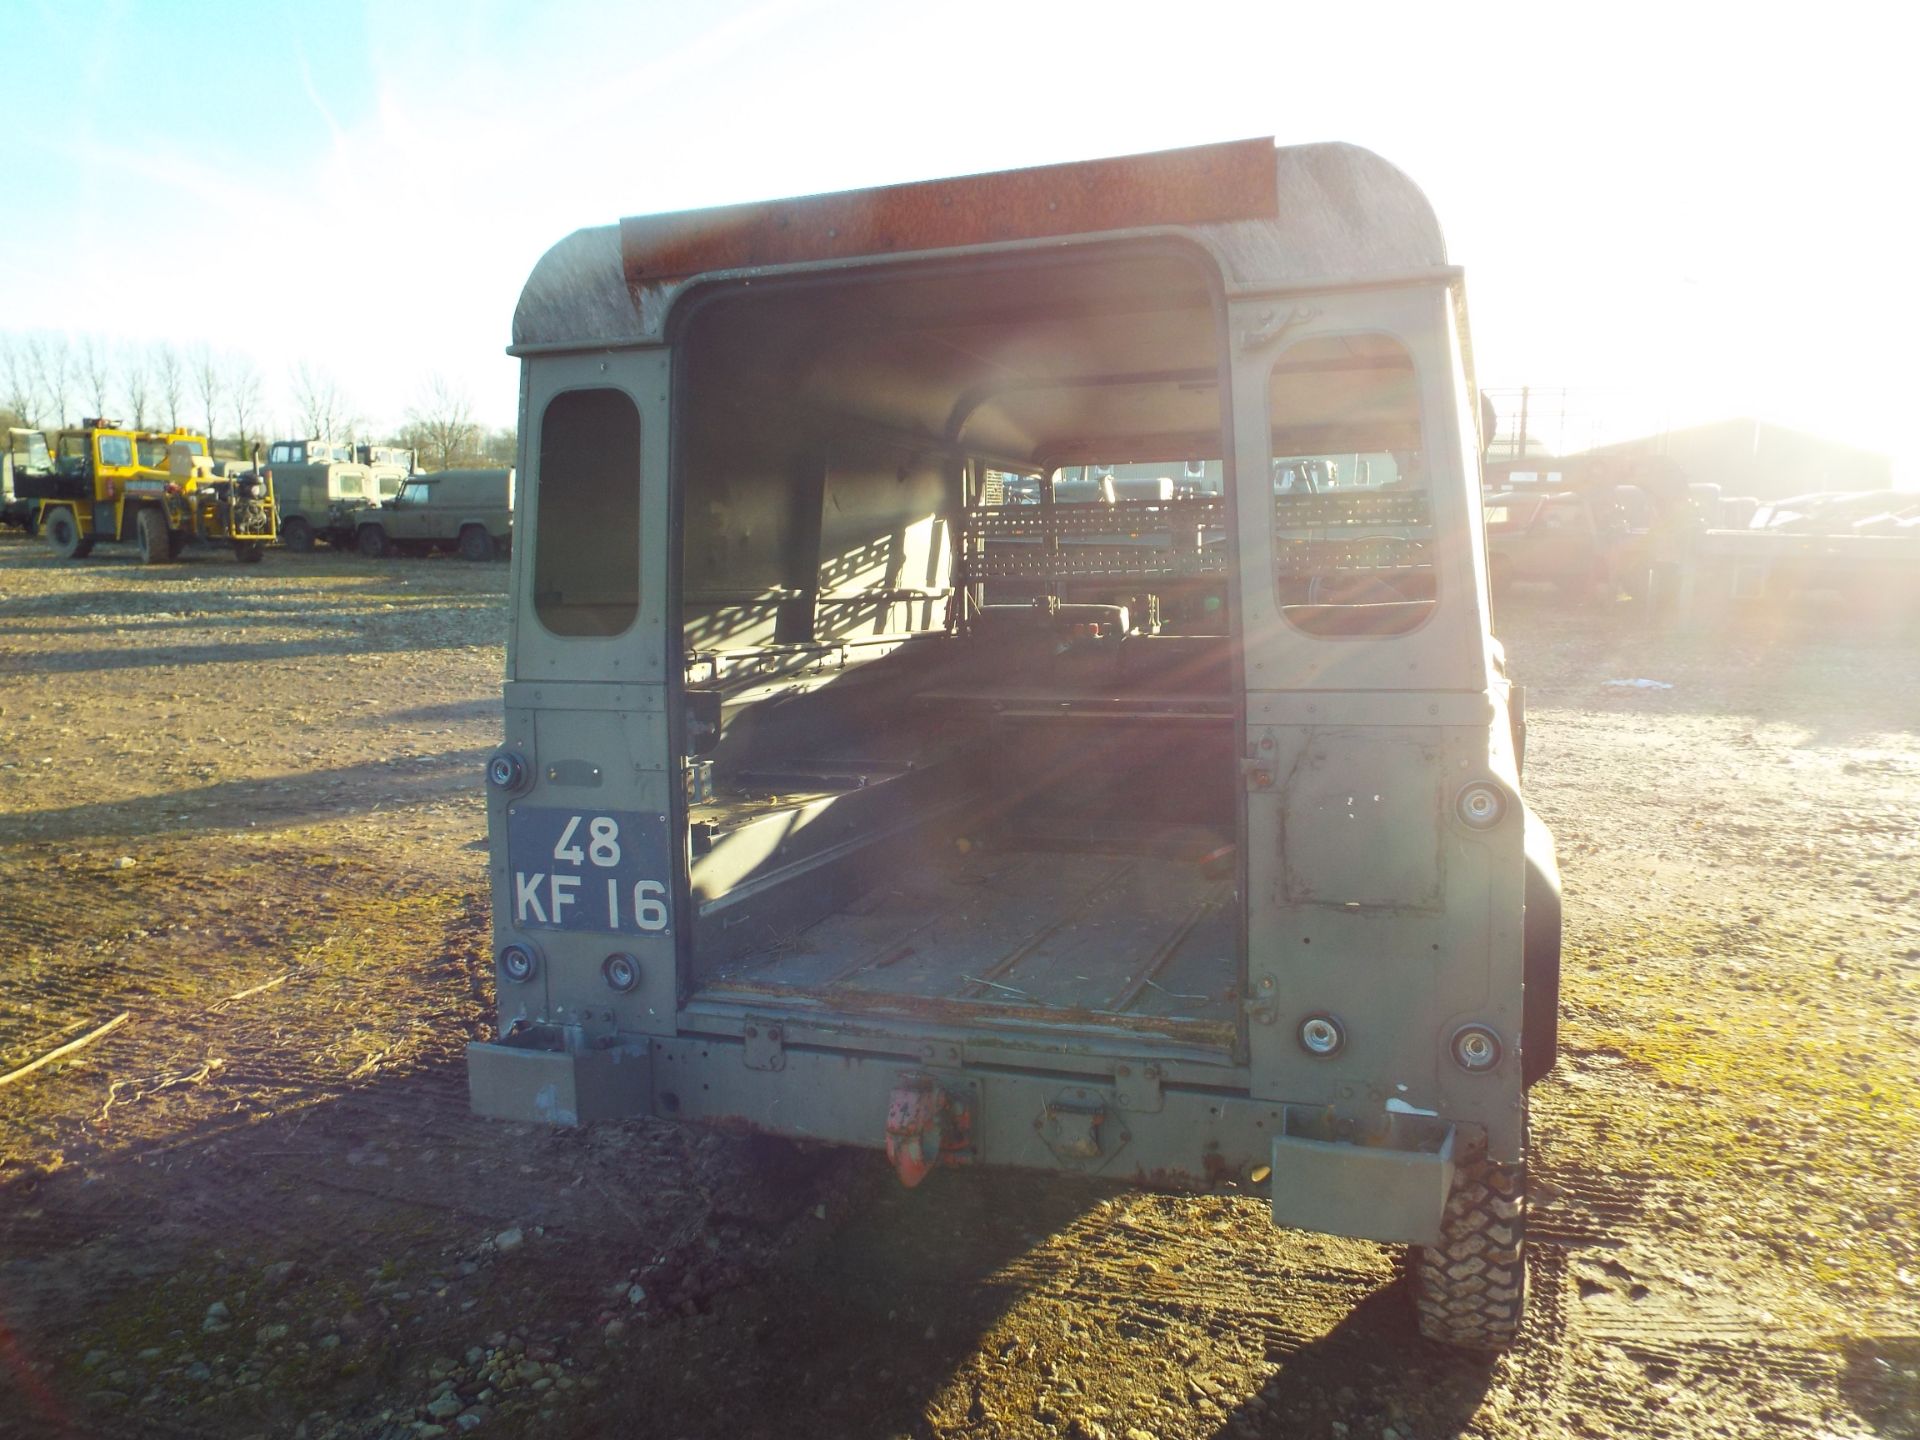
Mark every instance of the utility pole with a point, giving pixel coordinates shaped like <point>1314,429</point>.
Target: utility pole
<point>1520,445</point>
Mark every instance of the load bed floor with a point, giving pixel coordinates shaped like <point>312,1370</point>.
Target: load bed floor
<point>1124,936</point>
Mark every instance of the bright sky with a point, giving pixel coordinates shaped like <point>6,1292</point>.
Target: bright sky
<point>1688,211</point>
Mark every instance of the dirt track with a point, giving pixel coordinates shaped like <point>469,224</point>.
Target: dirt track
<point>242,807</point>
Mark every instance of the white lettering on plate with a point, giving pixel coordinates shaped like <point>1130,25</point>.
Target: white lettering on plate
<point>526,896</point>
<point>560,893</point>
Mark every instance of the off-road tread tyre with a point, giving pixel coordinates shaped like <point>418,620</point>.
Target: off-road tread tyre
<point>297,535</point>
<point>62,530</point>
<point>372,542</point>
<point>249,552</point>
<point>150,529</point>
<point>475,544</point>
<point>1470,1290</point>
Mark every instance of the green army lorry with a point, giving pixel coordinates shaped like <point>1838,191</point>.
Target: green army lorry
<point>848,796</point>
<point>470,511</point>
<point>321,488</point>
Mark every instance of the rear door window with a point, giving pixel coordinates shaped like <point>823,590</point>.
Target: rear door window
<point>1352,515</point>
<point>586,561</point>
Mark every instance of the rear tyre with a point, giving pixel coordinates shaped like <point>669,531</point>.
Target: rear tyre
<point>249,552</point>
<point>1470,1290</point>
<point>150,530</point>
<point>373,542</point>
<point>63,534</point>
<point>297,535</point>
<point>476,544</point>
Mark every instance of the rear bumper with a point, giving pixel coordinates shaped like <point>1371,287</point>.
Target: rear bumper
<point>537,1081</point>
<point>1371,1192</point>
<point>1123,1126</point>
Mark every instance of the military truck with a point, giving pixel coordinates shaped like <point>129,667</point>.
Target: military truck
<point>466,510</point>
<point>794,830</point>
<point>158,491</point>
<point>321,486</point>
<point>390,465</point>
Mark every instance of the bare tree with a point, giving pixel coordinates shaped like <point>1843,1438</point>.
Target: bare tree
<point>204,371</point>
<point>170,372</point>
<point>443,420</point>
<point>52,363</point>
<point>320,406</point>
<point>96,371</point>
<point>139,387</point>
<point>240,380</point>
<point>16,378</point>
<point>501,447</point>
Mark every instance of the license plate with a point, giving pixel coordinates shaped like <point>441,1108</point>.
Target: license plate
<point>588,870</point>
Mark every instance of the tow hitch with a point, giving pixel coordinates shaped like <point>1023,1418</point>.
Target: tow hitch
<point>926,1126</point>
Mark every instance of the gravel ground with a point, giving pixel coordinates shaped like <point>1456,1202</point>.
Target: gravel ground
<point>240,807</point>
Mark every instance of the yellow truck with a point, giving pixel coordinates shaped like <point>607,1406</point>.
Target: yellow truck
<point>156,490</point>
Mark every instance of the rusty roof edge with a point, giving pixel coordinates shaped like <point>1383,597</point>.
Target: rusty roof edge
<point>1192,186</point>
<point>1337,215</point>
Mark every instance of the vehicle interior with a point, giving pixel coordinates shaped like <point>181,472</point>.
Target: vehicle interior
<point>962,724</point>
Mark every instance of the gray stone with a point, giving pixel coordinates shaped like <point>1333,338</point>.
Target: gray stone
<point>446,1407</point>
<point>509,1239</point>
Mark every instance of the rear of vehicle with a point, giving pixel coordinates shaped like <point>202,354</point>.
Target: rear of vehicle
<point>871,777</point>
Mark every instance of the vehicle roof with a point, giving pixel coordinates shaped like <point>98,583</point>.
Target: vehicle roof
<point>1274,218</point>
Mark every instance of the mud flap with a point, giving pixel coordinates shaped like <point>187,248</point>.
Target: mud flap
<point>1369,1192</point>
<point>544,1083</point>
<point>1540,1006</point>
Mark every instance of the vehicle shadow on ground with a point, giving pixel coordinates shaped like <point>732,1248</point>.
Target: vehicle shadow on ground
<point>1371,1370</point>
<point>269,803</point>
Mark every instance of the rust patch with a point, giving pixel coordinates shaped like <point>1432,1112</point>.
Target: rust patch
<point>1200,185</point>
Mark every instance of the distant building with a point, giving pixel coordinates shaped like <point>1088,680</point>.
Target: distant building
<point>1751,457</point>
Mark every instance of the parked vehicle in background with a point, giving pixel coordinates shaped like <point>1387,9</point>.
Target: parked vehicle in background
<point>1842,512</point>
<point>17,512</point>
<point>389,465</point>
<point>1588,542</point>
<point>321,488</point>
<point>466,510</point>
<point>794,830</point>
<point>159,491</point>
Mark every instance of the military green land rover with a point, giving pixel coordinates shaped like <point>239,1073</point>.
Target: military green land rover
<point>1159,833</point>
